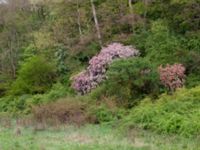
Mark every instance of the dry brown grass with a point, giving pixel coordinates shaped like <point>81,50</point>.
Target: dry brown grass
<point>63,112</point>
<point>5,120</point>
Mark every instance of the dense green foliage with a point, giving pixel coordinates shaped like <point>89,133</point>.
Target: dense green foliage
<point>35,76</point>
<point>134,79</point>
<point>176,114</point>
<point>17,105</point>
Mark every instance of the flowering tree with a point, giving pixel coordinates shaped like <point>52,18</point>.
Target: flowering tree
<point>95,72</point>
<point>172,76</point>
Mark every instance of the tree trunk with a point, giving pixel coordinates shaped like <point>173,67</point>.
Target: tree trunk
<point>146,2</point>
<point>96,22</point>
<point>130,6</point>
<point>131,12</point>
<point>78,21</point>
<point>12,60</point>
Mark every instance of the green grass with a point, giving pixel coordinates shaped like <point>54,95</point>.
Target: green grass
<point>168,142</point>
<point>91,137</point>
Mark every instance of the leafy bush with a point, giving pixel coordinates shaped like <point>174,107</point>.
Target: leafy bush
<point>138,39</point>
<point>35,76</point>
<point>192,41</point>
<point>192,80</point>
<point>131,79</point>
<point>191,60</point>
<point>15,105</point>
<point>161,46</point>
<point>23,104</point>
<point>181,15</point>
<point>103,114</point>
<point>95,73</point>
<point>57,91</point>
<point>106,110</point>
<point>172,76</point>
<point>85,52</point>
<point>4,84</point>
<point>175,114</point>
<point>29,51</point>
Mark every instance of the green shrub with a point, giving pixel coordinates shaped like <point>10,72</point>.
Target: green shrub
<point>193,80</point>
<point>88,52</point>
<point>57,91</point>
<point>15,105</point>
<point>5,82</point>
<point>161,46</point>
<point>35,76</point>
<point>179,14</point>
<point>175,114</point>
<point>105,113</point>
<point>23,104</point>
<point>192,41</point>
<point>29,51</point>
<point>191,60</point>
<point>138,39</point>
<point>131,79</point>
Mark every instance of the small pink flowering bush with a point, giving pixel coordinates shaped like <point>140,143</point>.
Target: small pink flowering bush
<point>95,72</point>
<point>172,76</point>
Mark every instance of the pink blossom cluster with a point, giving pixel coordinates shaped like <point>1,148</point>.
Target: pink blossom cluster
<point>172,76</point>
<point>95,72</point>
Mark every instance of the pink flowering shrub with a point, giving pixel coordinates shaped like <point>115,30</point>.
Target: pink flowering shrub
<point>95,72</point>
<point>172,76</point>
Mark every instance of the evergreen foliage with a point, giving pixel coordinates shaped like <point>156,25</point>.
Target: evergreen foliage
<point>131,80</point>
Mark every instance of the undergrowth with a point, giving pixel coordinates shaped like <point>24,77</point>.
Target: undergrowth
<point>170,114</point>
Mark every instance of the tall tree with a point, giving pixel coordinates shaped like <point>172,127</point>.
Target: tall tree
<point>78,20</point>
<point>131,12</point>
<point>96,22</point>
<point>130,6</point>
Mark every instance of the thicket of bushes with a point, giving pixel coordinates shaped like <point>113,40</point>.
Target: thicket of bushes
<point>22,104</point>
<point>79,111</point>
<point>130,80</point>
<point>170,114</point>
<point>35,76</point>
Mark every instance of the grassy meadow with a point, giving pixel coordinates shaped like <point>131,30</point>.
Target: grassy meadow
<point>90,137</point>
